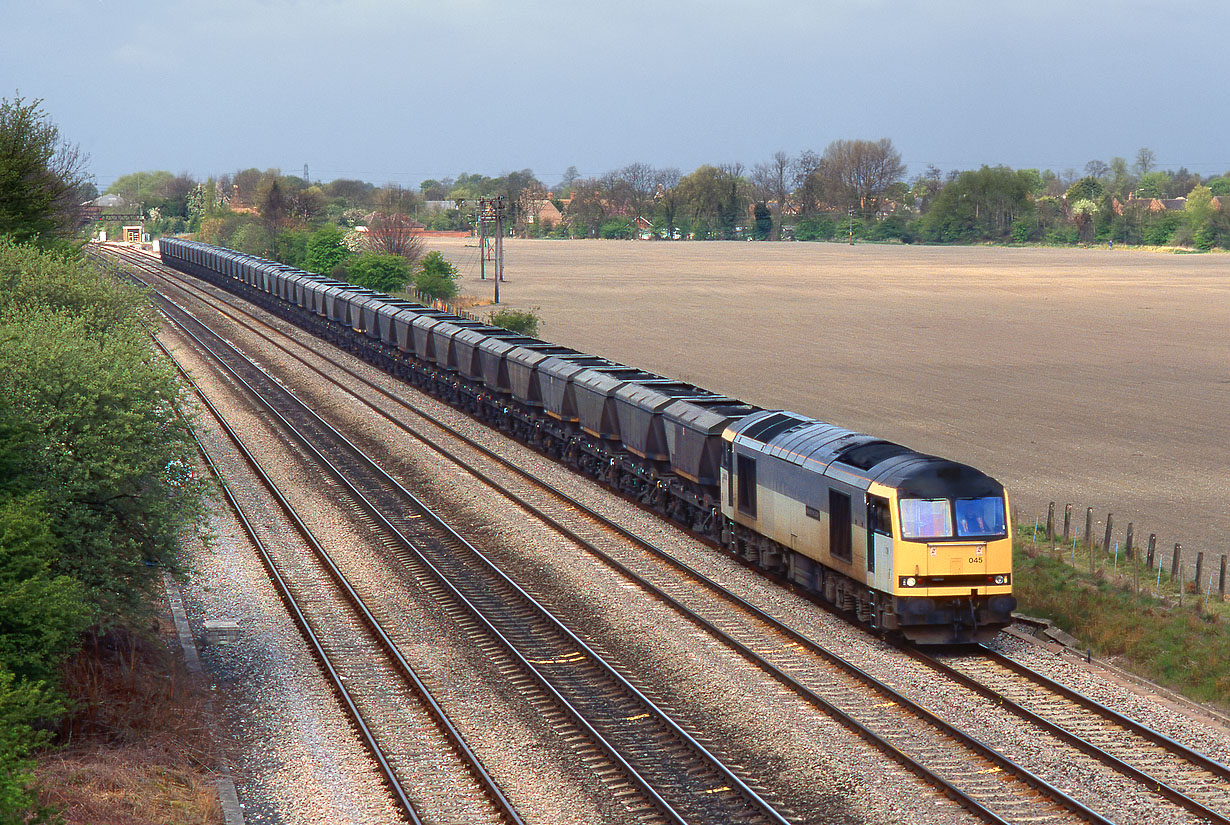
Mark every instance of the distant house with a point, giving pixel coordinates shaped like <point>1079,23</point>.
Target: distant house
<point>644,228</point>
<point>1159,204</point>
<point>539,209</point>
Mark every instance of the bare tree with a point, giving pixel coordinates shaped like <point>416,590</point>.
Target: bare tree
<point>1145,161</point>
<point>393,199</point>
<point>395,234</point>
<point>641,182</point>
<point>1097,168</point>
<point>68,179</point>
<point>808,185</point>
<point>667,197</point>
<point>308,204</point>
<point>858,173</point>
<point>771,184</point>
<point>589,206</point>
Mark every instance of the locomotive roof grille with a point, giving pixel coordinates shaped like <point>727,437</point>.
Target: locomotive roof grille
<point>770,426</point>
<point>866,456</point>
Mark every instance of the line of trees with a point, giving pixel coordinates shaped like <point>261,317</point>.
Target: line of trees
<point>96,485</point>
<point>857,187</point>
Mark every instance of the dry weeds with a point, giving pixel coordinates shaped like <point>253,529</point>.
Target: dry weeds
<point>138,747</point>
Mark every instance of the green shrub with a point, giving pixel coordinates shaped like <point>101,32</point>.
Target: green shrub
<point>1063,236</point>
<point>616,228</point>
<point>380,271</point>
<point>815,229</point>
<point>326,248</point>
<point>24,708</point>
<point>1023,228</point>
<point>436,278</point>
<point>522,321</point>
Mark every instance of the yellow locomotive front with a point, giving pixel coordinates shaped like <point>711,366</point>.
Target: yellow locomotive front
<point>952,561</point>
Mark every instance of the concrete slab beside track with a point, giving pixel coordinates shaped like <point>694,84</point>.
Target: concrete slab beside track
<point>1090,376</point>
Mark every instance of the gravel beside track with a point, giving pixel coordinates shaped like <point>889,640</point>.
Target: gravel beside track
<point>511,738</point>
<point>830,775</point>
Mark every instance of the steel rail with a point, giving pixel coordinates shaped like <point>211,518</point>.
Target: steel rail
<point>284,592</point>
<point>437,712</point>
<point>742,788</point>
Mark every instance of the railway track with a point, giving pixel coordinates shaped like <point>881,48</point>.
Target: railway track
<point>638,749</point>
<point>431,772</point>
<point>906,731</point>
<point>1184,776</point>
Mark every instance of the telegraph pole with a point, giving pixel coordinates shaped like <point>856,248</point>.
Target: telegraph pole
<point>491,214</point>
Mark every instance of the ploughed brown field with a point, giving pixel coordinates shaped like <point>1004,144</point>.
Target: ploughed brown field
<point>1090,376</point>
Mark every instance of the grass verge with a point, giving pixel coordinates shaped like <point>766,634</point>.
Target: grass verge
<point>1181,644</point>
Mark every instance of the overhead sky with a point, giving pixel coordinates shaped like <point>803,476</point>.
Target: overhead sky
<point>404,90</point>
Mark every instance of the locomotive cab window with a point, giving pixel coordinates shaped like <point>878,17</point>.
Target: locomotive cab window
<point>839,526</point>
<point>926,518</point>
<point>981,517</point>
<point>747,485</point>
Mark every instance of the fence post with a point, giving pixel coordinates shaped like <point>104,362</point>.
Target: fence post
<point>1131,554</point>
<point>1199,568</point>
<point>1110,520</point>
<point>1152,547</point>
<point>1221,579</point>
<point>1089,529</point>
<point>1181,587</point>
<point>1067,523</point>
<point>1050,522</point>
<point>1174,562</point>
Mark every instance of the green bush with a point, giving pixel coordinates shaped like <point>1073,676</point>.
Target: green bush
<point>522,321</point>
<point>436,278</point>
<point>1064,236</point>
<point>95,483</point>
<point>24,709</point>
<point>1023,228</point>
<point>616,228</point>
<point>326,248</point>
<point>380,271</point>
<point>815,229</point>
<point>251,238</point>
<point>1160,230</point>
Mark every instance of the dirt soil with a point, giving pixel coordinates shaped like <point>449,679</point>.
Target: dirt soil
<point>1089,376</point>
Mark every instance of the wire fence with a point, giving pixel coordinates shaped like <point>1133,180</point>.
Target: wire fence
<point>1142,568</point>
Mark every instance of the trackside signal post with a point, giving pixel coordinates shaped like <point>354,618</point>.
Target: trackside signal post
<point>491,239</point>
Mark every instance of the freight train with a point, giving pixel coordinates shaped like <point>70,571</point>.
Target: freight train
<point>910,544</point>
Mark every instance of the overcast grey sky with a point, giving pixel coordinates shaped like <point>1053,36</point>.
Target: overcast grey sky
<point>403,90</point>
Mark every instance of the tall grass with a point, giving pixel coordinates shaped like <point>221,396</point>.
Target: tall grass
<point>1185,646</point>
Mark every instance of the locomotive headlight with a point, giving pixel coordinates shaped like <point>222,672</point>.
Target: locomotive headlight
<point>910,581</point>
<point>1001,579</point>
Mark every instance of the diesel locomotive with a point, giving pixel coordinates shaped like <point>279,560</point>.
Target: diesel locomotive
<point>910,544</point>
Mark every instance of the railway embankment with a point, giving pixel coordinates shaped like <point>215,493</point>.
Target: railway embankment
<point>1172,630</point>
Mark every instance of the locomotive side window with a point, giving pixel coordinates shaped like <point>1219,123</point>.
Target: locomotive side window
<point>926,518</point>
<point>878,518</point>
<point>981,517</point>
<point>839,526</point>
<point>747,485</point>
